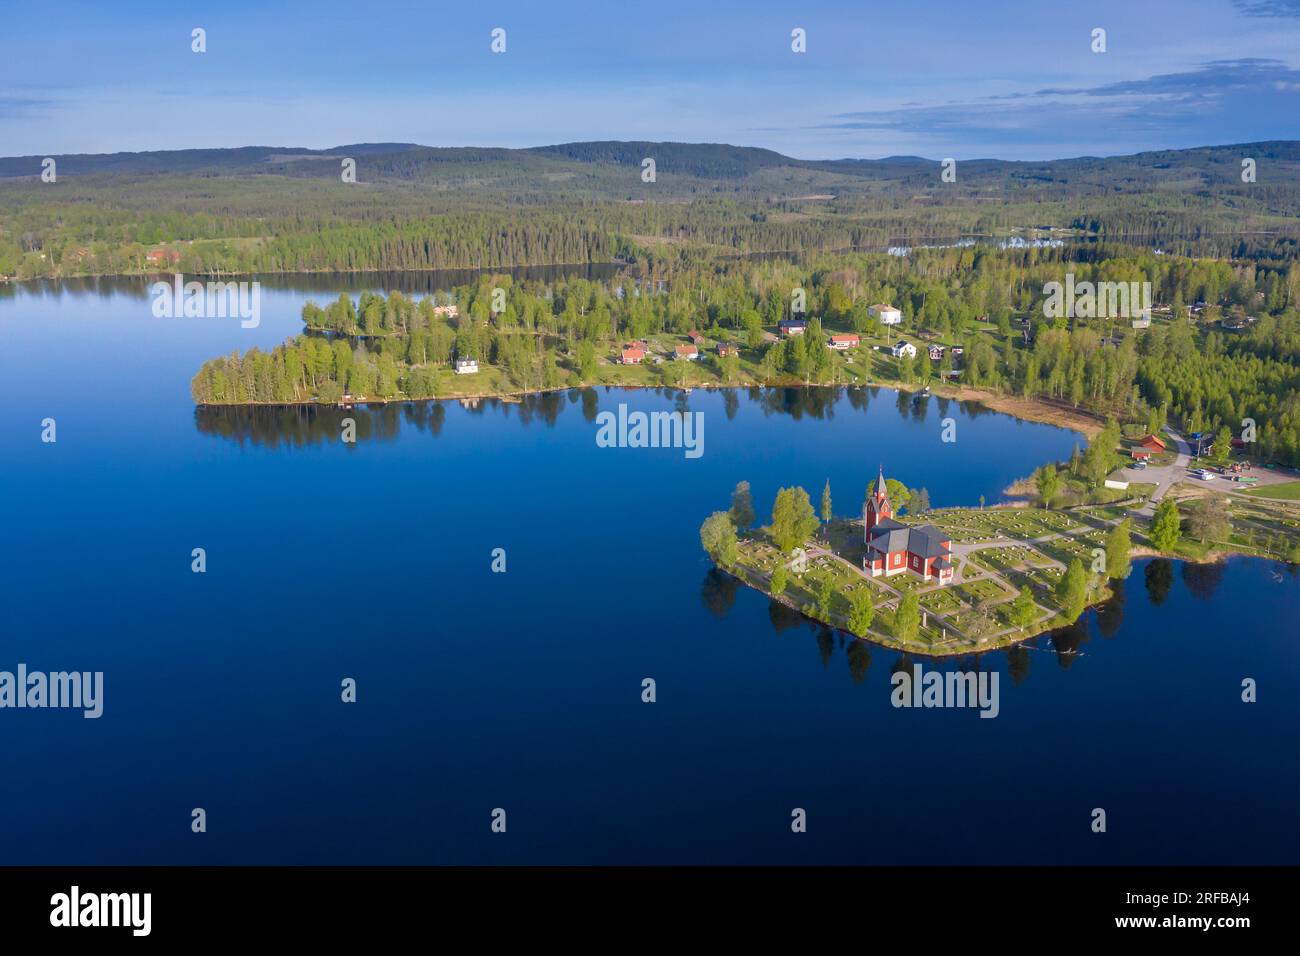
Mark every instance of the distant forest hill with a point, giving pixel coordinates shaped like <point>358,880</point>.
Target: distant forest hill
<point>286,209</point>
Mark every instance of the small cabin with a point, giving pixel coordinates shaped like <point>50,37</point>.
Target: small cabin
<point>466,366</point>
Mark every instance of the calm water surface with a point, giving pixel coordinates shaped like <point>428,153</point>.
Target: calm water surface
<point>522,690</point>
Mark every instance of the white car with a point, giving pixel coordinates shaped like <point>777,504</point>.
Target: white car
<point>1204,474</point>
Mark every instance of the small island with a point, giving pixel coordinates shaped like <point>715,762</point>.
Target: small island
<point>956,581</point>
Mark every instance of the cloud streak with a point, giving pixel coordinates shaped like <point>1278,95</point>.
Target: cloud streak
<point>1239,100</point>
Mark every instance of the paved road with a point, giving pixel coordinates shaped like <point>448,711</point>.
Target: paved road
<point>1164,476</point>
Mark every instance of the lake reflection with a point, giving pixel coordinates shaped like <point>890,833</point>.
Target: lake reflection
<point>522,689</point>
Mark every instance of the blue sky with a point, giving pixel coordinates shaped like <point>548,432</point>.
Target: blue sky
<point>1014,80</point>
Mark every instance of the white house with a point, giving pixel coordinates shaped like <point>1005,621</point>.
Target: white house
<point>887,314</point>
<point>901,348</point>
<point>466,366</point>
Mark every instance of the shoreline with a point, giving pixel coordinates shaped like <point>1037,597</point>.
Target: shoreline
<point>888,643</point>
<point>484,270</point>
<point>1004,643</point>
<point>1034,410</point>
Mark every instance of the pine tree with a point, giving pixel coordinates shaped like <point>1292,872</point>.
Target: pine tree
<point>1166,526</point>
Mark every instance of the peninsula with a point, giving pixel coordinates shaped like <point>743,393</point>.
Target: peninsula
<point>954,581</point>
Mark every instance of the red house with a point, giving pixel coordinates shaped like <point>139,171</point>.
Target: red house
<point>842,342</point>
<point>633,356</point>
<point>893,546</point>
<point>1153,442</point>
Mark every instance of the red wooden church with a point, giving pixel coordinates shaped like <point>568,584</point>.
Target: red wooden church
<point>893,546</point>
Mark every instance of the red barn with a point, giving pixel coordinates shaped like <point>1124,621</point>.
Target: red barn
<point>1153,442</point>
<point>893,546</point>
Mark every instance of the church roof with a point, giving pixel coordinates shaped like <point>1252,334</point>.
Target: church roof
<point>925,541</point>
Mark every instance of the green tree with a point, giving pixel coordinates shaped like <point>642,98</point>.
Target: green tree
<point>1072,590</point>
<point>921,502</point>
<point>825,594</point>
<point>1222,445</point>
<point>1049,484</point>
<point>826,503</point>
<point>1166,526</point>
<point>1208,521</point>
<point>899,493</point>
<point>793,520</point>
<point>907,619</point>
<point>780,577</point>
<point>586,360</point>
<point>1118,546</point>
<point>861,610</point>
<point>718,536</point>
<point>1022,610</point>
<point>742,506</point>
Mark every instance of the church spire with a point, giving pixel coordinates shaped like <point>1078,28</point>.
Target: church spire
<point>882,490</point>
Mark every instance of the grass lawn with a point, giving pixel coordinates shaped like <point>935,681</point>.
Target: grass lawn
<point>1287,491</point>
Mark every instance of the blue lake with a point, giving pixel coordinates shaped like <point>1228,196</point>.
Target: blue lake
<point>522,690</point>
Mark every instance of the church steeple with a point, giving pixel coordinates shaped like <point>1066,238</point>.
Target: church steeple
<point>877,506</point>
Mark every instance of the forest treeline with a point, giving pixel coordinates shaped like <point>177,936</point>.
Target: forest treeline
<point>258,210</point>
<point>1187,369</point>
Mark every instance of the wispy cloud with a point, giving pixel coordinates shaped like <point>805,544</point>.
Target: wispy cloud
<point>13,107</point>
<point>1269,8</point>
<point>1239,100</point>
